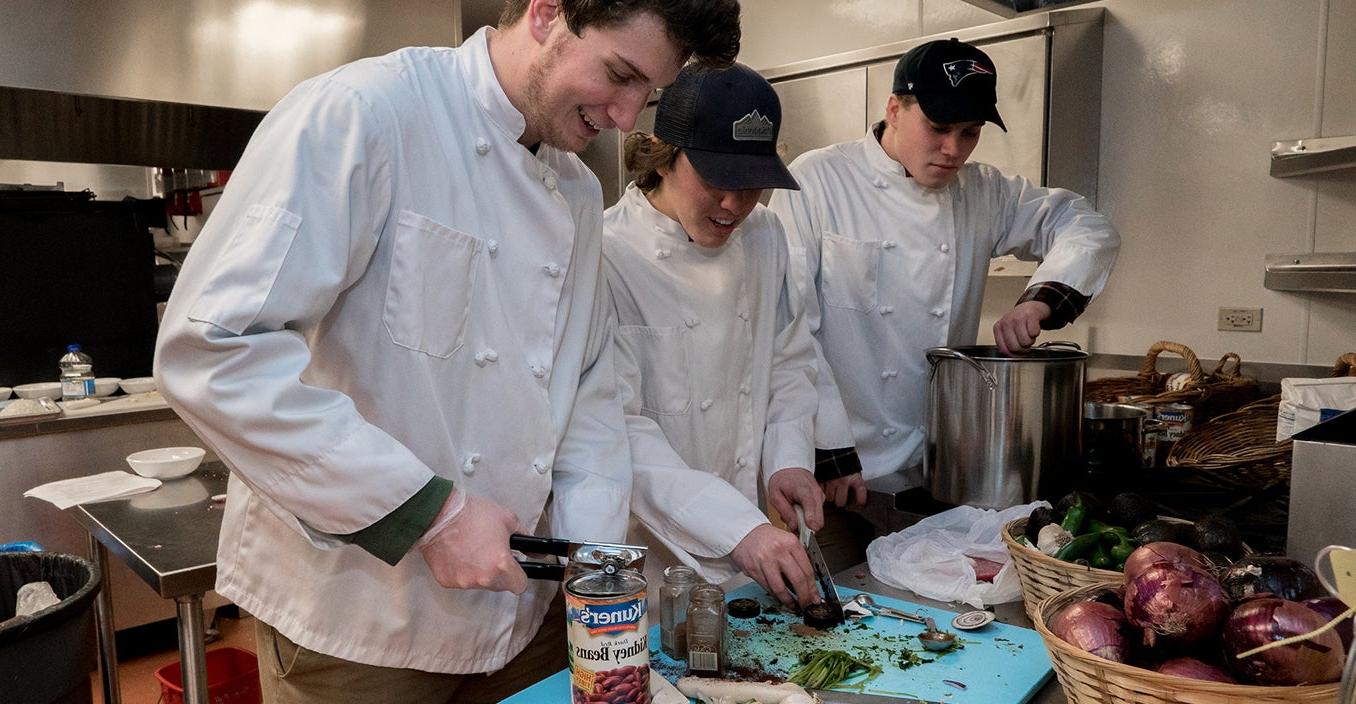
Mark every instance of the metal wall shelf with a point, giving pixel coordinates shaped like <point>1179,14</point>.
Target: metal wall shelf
<point>1330,272</point>
<point>1308,156</point>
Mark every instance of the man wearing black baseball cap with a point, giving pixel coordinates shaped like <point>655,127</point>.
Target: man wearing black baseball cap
<point>715,364</point>
<point>897,231</point>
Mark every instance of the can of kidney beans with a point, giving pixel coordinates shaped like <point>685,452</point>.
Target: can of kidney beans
<point>608,629</point>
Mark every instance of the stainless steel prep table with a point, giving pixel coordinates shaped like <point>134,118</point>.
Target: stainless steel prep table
<point>859,577</point>
<point>168,537</point>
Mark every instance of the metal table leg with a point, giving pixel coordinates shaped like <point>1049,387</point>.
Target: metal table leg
<point>192,649</point>
<point>103,623</point>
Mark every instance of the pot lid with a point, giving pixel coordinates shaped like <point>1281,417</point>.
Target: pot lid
<point>990,353</point>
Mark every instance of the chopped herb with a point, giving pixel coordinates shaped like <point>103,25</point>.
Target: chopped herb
<point>825,669</point>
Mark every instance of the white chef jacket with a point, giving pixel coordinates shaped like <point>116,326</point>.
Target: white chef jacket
<point>892,269</point>
<point>390,288</point>
<point>717,373</point>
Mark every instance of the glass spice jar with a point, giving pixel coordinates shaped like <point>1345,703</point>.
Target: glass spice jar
<point>678,579</point>
<point>706,630</point>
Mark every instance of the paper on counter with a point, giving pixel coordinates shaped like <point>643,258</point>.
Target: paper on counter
<point>96,487</point>
<point>662,692</point>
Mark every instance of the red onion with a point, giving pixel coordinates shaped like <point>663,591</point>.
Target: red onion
<point>1194,669</point>
<point>1093,626</point>
<point>1330,607</point>
<point>1152,554</point>
<point>1178,602</point>
<point>1263,620</point>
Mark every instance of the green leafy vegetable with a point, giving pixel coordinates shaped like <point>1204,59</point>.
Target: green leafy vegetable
<point>826,669</point>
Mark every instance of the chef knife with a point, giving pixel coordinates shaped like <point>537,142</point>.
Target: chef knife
<point>823,577</point>
<point>605,555</point>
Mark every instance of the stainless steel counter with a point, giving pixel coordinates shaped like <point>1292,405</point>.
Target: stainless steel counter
<point>168,537</point>
<point>859,577</point>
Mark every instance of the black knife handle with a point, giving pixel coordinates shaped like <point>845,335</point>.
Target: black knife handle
<point>539,546</point>
<point>542,570</point>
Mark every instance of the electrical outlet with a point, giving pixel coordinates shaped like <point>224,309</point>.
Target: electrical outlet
<point>1240,319</point>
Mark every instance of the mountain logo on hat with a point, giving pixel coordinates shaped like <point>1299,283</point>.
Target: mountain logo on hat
<point>958,71</point>
<point>753,127</point>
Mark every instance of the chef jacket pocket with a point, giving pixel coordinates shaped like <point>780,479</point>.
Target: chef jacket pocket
<point>248,268</point>
<point>431,285</point>
<point>848,272</point>
<point>661,355</point>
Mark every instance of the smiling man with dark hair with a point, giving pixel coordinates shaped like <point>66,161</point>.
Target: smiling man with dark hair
<point>394,330</point>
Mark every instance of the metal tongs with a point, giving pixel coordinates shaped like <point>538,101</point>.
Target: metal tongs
<point>609,557</point>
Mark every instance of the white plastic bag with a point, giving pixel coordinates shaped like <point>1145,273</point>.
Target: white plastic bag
<point>1308,402</point>
<point>931,557</point>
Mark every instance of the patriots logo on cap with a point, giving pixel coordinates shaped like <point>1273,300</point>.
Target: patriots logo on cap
<point>753,127</point>
<point>957,71</point>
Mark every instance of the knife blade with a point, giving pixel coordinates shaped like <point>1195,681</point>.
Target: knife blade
<point>823,577</point>
<point>829,696</point>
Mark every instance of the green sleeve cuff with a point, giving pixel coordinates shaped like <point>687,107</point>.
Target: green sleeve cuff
<point>395,533</point>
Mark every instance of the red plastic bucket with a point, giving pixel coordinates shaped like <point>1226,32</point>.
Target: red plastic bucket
<point>232,678</point>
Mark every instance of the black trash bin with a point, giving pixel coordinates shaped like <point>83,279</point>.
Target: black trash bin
<point>46,658</point>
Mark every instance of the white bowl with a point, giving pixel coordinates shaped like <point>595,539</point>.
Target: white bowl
<point>138,385</point>
<point>105,385</point>
<point>4,392</point>
<point>166,462</point>
<point>46,389</point>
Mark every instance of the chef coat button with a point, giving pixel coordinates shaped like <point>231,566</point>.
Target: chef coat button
<point>743,315</point>
<point>744,389</point>
<point>878,183</point>
<point>482,147</point>
<point>491,356</point>
<point>540,467</point>
<point>706,405</point>
<point>885,374</point>
<point>888,244</point>
<point>937,312</point>
<point>944,247</point>
<point>552,270</point>
<point>692,322</point>
<point>888,432</point>
<point>469,466</point>
<point>742,462</point>
<point>549,180</point>
<point>493,246</point>
<point>886,310</point>
<point>662,253</point>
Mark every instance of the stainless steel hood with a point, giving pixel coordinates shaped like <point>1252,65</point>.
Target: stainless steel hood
<point>40,125</point>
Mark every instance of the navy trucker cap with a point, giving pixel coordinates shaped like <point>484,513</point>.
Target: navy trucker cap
<point>953,82</point>
<point>727,122</point>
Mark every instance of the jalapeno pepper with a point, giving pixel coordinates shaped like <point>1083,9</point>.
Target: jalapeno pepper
<point>1101,557</point>
<point>1081,546</point>
<point>1074,517</point>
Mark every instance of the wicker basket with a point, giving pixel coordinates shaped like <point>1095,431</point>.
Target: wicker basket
<point>1042,576</point>
<point>1210,395</point>
<point>1088,679</point>
<point>1239,449</point>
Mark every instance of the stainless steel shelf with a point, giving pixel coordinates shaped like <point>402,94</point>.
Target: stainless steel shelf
<point>1308,156</point>
<point>1332,272</point>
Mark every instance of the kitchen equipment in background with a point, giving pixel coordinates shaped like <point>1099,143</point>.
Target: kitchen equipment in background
<point>1114,436</point>
<point>1003,430</point>
<point>1322,488</point>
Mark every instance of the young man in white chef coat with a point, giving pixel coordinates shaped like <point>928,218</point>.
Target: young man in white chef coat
<point>897,230</point>
<point>715,362</point>
<point>394,331</point>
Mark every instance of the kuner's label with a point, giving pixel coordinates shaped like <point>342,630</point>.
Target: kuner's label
<point>608,641</point>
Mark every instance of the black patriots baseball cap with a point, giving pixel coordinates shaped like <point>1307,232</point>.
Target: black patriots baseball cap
<point>953,82</point>
<point>727,122</point>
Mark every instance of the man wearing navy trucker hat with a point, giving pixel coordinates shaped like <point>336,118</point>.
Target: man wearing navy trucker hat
<point>716,367</point>
<point>897,230</point>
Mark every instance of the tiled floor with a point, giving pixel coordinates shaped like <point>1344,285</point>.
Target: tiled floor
<point>151,647</point>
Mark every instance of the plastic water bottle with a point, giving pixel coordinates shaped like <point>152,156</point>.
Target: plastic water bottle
<point>77,374</point>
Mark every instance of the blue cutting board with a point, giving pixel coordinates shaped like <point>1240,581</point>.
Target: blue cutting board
<point>998,664</point>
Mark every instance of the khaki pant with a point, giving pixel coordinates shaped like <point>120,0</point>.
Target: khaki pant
<point>291,674</point>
